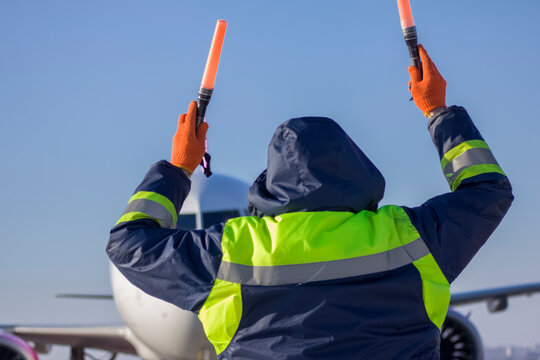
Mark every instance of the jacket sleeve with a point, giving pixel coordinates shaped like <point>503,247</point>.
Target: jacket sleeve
<point>455,225</point>
<point>171,264</point>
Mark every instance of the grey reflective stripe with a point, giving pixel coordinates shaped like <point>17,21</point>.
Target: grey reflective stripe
<point>152,209</point>
<point>468,158</point>
<point>322,271</point>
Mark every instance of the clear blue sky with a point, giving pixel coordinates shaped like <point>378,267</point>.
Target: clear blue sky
<point>90,93</point>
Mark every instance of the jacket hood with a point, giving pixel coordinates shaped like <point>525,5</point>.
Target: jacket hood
<point>313,165</point>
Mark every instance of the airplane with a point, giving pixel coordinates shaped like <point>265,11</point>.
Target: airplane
<point>155,329</point>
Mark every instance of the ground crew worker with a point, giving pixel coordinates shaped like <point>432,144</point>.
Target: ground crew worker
<point>319,271</point>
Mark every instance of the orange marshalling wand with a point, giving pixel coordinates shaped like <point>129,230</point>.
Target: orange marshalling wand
<point>405,14</point>
<point>210,71</point>
<point>409,31</point>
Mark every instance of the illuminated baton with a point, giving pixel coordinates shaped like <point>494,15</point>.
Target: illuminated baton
<point>409,31</point>
<point>209,77</point>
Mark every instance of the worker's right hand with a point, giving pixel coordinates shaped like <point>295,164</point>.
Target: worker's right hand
<point>428,87</point>
<point>189,142</point>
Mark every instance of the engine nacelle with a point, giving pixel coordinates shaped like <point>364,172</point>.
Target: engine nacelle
<point>14,348</point>
<point>497,304</point>
<point>460,339</point>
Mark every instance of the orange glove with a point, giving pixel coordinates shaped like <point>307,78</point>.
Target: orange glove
<point>189,143</point>
<point>429,91</point>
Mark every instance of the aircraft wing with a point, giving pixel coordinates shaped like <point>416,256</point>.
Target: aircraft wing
<point>113,339</point>
<point>497,298</point>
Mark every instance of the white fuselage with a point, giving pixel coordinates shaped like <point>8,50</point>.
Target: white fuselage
<point>159,330</point>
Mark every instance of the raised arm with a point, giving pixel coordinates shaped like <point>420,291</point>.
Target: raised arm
<point>455,225</point>
<point>174,265</point>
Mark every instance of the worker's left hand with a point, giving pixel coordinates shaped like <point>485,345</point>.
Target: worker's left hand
<point>189,142</point>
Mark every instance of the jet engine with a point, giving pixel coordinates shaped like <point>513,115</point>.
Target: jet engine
<point>14,348</point>
<point>460,339</point>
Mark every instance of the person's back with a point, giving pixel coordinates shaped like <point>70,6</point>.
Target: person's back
<point>319,271</point>
<point>326,284</point>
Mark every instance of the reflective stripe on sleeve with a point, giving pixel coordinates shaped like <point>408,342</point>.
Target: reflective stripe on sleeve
<point>322,271</point>
<point>468,159</point>
<point>459,149</point>
<point>131,216</point>
<point>152,209</point>
<point>153,206</point>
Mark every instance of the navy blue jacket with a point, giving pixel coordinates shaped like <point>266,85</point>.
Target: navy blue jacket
<point>314,166</point>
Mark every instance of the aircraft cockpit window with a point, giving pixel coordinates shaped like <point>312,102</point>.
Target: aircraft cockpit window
<point>186,222</point>
<point>216,217</point>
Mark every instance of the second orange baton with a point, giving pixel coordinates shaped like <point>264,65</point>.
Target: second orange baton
<point>210,71</point>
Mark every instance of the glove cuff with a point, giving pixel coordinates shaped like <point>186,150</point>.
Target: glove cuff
<point>185,169</point>
<point>428,106</point>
